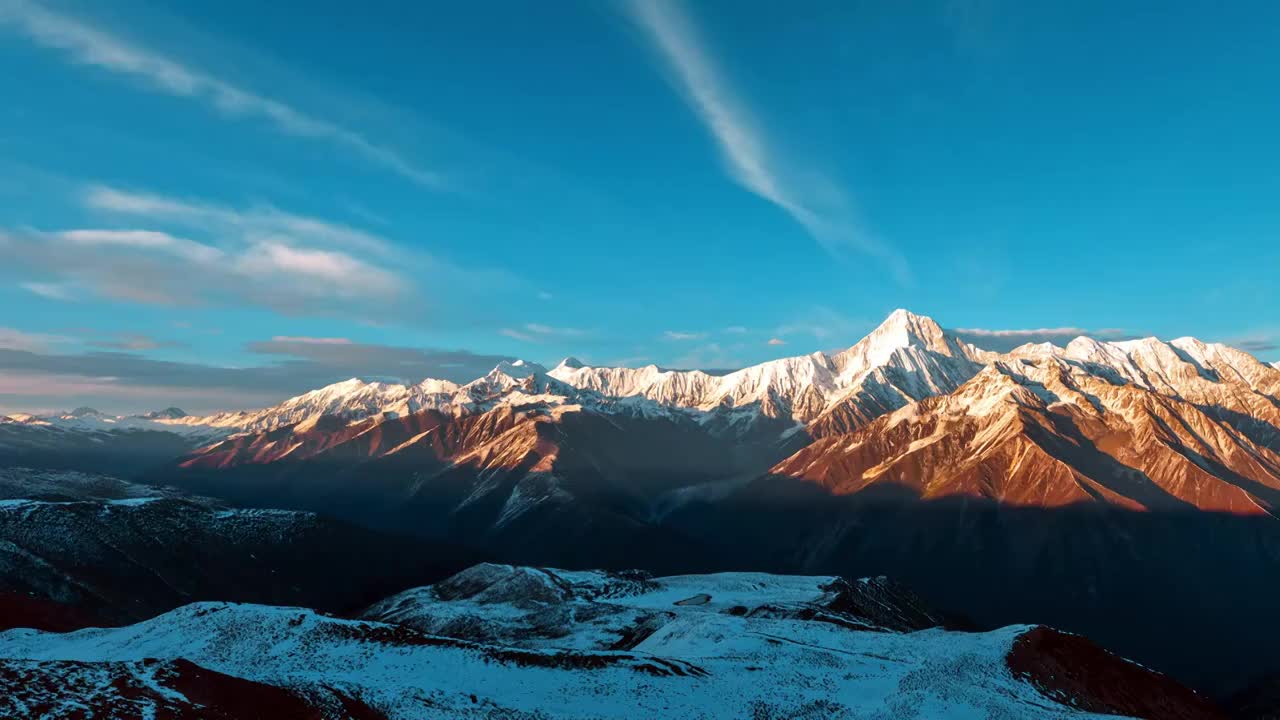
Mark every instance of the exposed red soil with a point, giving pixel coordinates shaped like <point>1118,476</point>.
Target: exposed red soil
<point>176,690</point>
<point>1076,672</point>
<point>234,697</point>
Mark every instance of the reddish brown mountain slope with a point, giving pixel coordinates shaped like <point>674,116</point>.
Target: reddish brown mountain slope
<point>1040,433</point>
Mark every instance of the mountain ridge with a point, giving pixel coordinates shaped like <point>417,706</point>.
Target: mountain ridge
<point>906,358</point>
<point>502,641</point>
<point>1064,472</point>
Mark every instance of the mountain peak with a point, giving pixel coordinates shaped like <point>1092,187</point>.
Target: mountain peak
<point>169,413</point>
<point>907,340</point>
<point>84,412</point>
<point>903,320</point>
<point>1034,350</point>
<point>518,369</point>
<point>436,386</point>
<point>901,329</point>
<point>571,363</point>
<point>904,315</point>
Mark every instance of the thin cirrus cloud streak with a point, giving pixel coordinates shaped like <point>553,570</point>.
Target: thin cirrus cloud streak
<point>14,339</point>
<point>340,273</point>
<point>262,257</point>
<point>817,207</point>
<point>261,221</point>
<point>48,291</point>
<point>1005,340</point>
<point>89,45</point>
<point>163,250</point>
<point>1258,342</point>
<point>537,332</point>
<point>1059,332</point>
<point>134,342</point>
<point>311,340</point>
<point>146,240</point>
<point>36,372</point>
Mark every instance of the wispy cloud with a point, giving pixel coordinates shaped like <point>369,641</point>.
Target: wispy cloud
<point>1005,340</point>
<point>777,341</point>
<point>711,358</point>
<point>49,291</point>
<point>259,256</point>
<point>41,392</point>
<point>681,336</point>
<point>813,201</point>
<point>549,331</point>
<point>13,339</point>
<point>89,45</point>
<point>1261,342</point>
<point>825,325</point>
<point>537,332</point>
<point>184,251</point>
<point>134,341</point>
<point>629,361</point>
<point>340,358</point>
<point>260,221</point>
<point>342,274</point>
<point>159,268</point>
<point>143,240</point>
<point>33,377</point>
<point>311,340</point>
<point>1071,332</point>
<point>1258,345</point>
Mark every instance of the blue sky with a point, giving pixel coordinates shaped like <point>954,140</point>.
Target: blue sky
<point>291,193</point>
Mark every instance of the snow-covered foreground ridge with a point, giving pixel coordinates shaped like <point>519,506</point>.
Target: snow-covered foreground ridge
<point>500,641</point>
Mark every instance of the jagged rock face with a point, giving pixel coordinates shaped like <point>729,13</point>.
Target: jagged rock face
<point>907,358</point>
<point>522,455</point>
<point>1140,424</point>
<point>589,644</point>
<point>1048,432</point>
<point>789,387</point>
<point>578,486</point>
<point>1081,483</point>
<point>911,374</point>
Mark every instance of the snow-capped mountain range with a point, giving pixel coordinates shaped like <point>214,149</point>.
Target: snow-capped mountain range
<point>907,358</point>
<point>787,464</point>
<point>767,412</point>
<point>1080,479</point>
